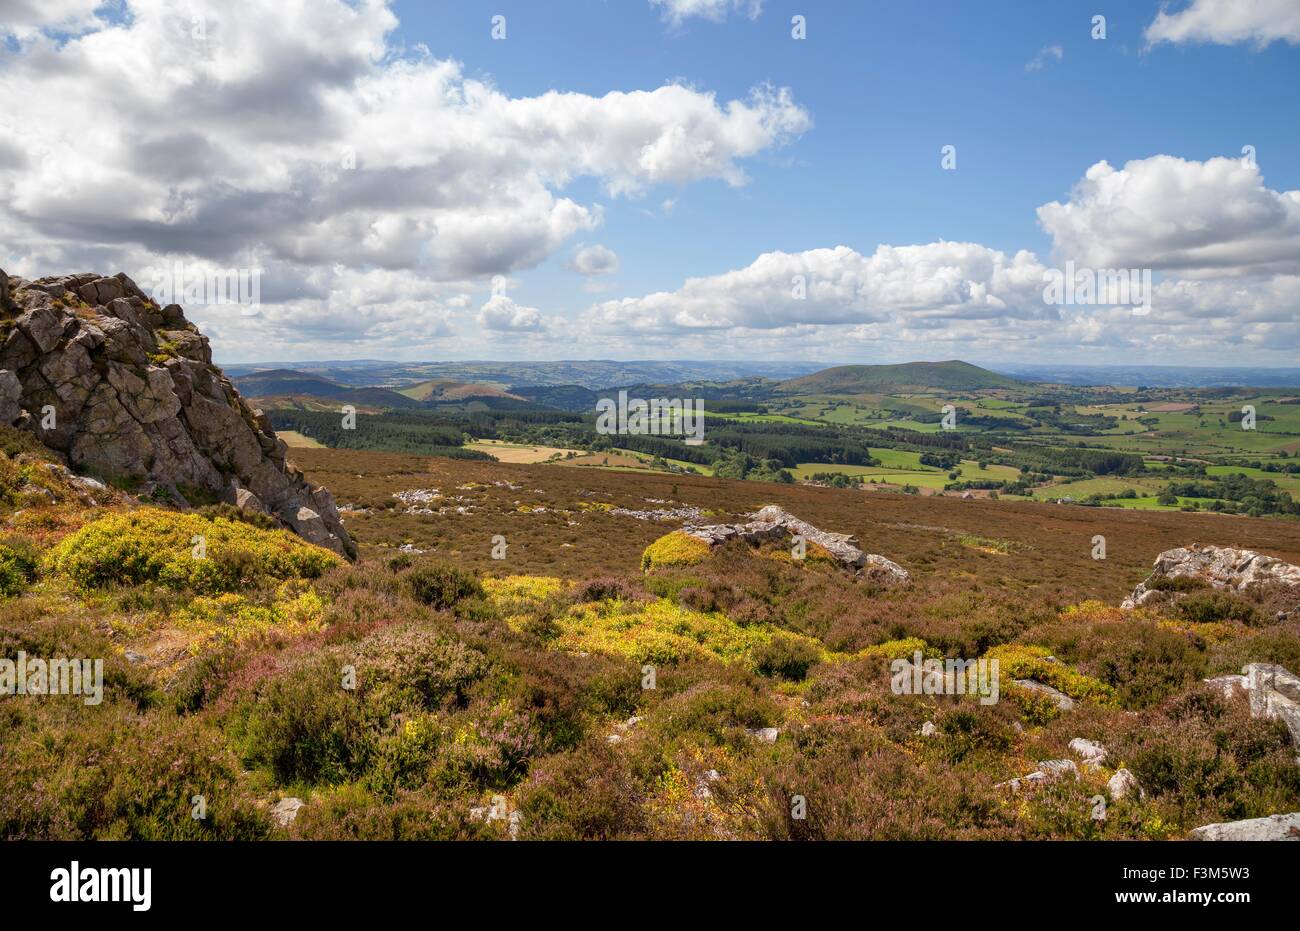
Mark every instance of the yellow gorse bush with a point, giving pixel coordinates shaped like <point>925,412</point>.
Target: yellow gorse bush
<point>230,619</point>
<point>179,550</point>
<point>1025,661</point>
<point>674,549</point>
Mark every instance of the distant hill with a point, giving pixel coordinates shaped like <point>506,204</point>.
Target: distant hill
<point>450,389</point>
<point>596,374</point>
<point>909,376</point>
<point>290,383</point>
<point>561,397</point>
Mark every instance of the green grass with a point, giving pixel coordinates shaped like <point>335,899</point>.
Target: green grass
<point>1284,481</point>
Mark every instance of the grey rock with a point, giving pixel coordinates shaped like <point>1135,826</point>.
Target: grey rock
<point>772,523</point>
<point>1273,692</point>
<point>245,500</point>
<point>11,390</point>
<point>1123,784</point>
<point>1048,771</point>
<point>1229,686</point>
<point>1059,698</point>
<point>143,404</point>
<point>1219,566</point>
<point>1274,827</point>
<point>285,811</point>
<point>765,735</point>
<point>1090,752</point>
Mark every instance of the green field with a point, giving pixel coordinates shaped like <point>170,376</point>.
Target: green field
<point>901,467</point>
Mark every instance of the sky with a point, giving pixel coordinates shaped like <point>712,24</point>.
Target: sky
<point>671,179</point>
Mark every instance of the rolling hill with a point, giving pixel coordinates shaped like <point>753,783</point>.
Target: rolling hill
<point>909,376</point>
<point>289,383</point>
<point>449,389</point>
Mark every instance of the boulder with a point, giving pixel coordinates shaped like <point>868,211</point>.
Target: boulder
<point>136,398</point>
<point>11,390</point>
<point>1091,753</point>
<point>285,811</point>
<point>1059,698</point>
<point>1273,691</point>
<point>1223,567</point>
<point>774,523</point>
<point>1274,827</point>
<point>1048,771</point>
<point>1123,784</point>
<point>1275,694</point>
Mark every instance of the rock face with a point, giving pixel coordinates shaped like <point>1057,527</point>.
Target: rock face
<point>126,390</point>
<point>1274,693</point>
<point>773,523</point>
<point>1219,566</point>
<point>1274,827</point>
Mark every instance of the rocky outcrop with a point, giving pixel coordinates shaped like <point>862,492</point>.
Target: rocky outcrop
<point>1217,566</point>
<point>1273,690</point>
<point>126,390</point>
<point>1274,827</point>
<point>774,523</point>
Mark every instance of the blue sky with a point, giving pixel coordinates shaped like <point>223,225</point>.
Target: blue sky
<point>702,160</point>
<point>887,84</point>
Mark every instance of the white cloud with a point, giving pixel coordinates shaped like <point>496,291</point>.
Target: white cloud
<point>23,18</point>
<point>841,286</point>
<point>1229,246</point>
<point>594,260</point>
<point>1046,53</point>
<point>295,136</point>
<point>1170,214</point>
<point>1226,22</point>
<point>676,12</point>
<point>502,314</point>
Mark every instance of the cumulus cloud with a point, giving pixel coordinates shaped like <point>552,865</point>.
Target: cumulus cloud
<point>295,136</point>
<point>1170,214</point>
<point>1227,22</point>
<point>841,286</point>
<point>23,18</point>
<point>500,313</point>
<point>1045,54</point>
<point>594,260</point>
<point>677,12</point>
<point>1228,246</point>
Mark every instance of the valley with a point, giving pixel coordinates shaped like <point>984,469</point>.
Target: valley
<point>881,427</point>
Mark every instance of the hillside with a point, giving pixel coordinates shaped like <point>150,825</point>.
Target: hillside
<point>124,390</point>
<point>282,384</point>
<point>909,376</point>
<point>561,651</point>
<point>448,389</point>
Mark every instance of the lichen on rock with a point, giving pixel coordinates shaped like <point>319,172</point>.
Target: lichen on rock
<point>125,390</point>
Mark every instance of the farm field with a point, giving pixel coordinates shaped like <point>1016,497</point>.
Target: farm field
<point>518,452</point>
